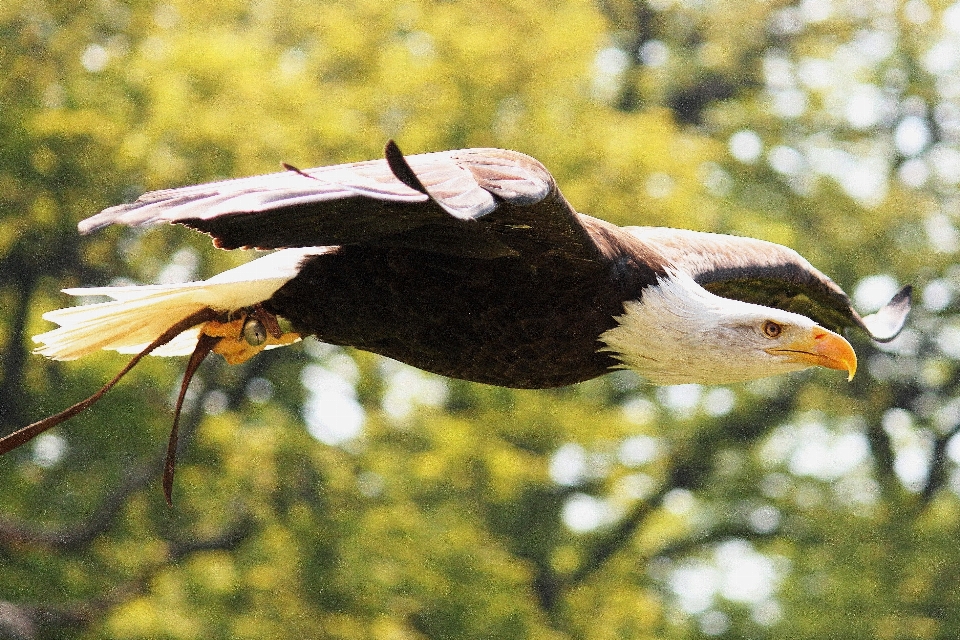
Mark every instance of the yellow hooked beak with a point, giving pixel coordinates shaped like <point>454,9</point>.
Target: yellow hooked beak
<point>821,348</point>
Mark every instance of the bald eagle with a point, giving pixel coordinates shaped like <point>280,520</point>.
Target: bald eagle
<point>470,264</point>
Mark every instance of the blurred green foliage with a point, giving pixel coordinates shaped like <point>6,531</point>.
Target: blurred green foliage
<point>333,494</point>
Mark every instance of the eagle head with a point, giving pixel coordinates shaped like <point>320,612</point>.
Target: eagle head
<point>678,333</point>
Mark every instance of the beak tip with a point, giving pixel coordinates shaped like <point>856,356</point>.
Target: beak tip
<point>837,353</point>
<point>825,348</point>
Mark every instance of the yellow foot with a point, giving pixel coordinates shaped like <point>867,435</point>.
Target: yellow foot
<point>248,335</point>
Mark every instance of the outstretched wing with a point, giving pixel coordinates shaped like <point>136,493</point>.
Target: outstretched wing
<point>472,202</point>
<point>771,275</point>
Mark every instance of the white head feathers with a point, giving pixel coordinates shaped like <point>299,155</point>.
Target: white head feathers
<point>681,333</point>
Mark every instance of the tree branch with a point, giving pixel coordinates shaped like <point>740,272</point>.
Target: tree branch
<point>29,621</point>
<point>938,467</point>
<point>726,531</point>
<point>15,357</point>
<point>882,449</point>
<point>614,540</point>
<point>15,533</point>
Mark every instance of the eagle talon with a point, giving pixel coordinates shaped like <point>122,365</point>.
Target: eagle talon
<point>245,336</point>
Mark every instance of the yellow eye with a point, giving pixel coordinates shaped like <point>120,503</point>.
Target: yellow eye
<point>771,329</point>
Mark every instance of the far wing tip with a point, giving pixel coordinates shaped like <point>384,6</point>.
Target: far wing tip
<point>103,219</point>
<point>469,208</point>
<point>401,168</point>
<point>90,225</point>
<point>886,324</point>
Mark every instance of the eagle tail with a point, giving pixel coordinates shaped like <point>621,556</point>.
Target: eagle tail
<point>129,322</point>
<point>137,315</point>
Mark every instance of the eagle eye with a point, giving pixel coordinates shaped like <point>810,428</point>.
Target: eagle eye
<point>771,329</point>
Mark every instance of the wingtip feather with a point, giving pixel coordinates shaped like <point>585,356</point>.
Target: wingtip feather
<point>887,323</point>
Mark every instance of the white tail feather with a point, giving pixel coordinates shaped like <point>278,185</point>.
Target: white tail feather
<point>138,315</point>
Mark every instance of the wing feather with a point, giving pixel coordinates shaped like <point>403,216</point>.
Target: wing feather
<point>772,275</point>
<point>433,200</point>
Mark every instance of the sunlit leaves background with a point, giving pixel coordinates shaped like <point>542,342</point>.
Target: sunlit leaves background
<point>325,492</point>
